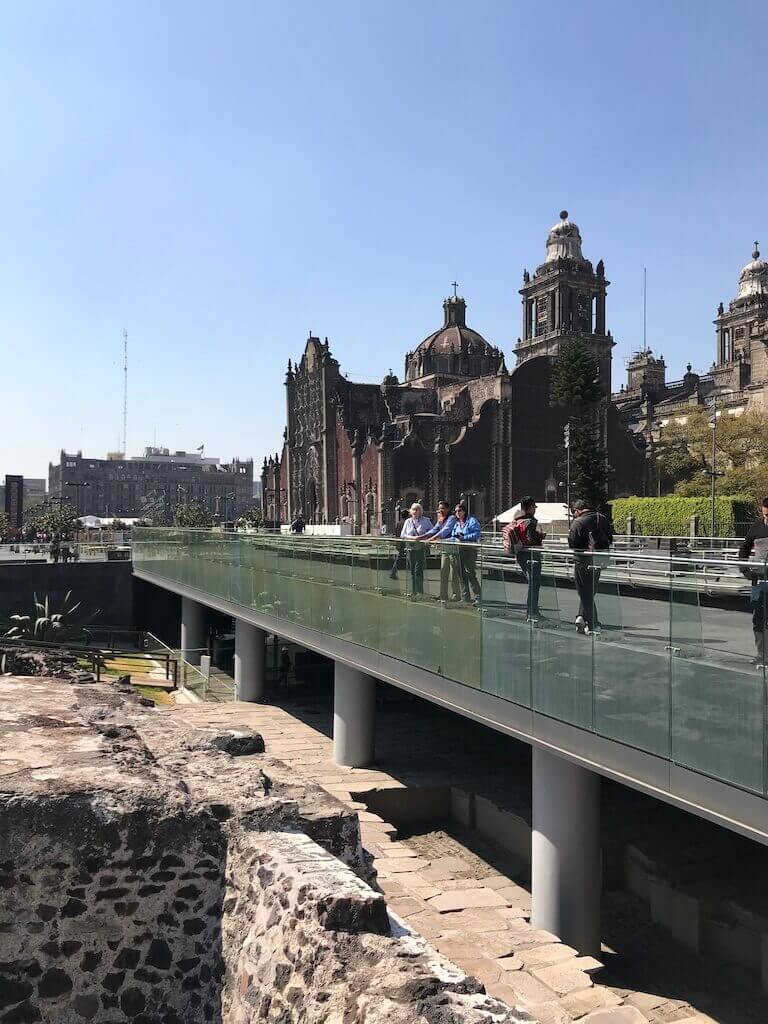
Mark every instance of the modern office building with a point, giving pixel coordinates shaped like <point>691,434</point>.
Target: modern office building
<point>34,490</point>
<point>152,485</point>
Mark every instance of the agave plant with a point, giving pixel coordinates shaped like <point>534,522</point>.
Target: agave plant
<point>48,624</point>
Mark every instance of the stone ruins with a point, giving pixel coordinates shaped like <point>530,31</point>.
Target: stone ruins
<point>160,873</point>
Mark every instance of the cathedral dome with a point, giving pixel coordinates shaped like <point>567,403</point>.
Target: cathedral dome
<point>564,240</point>
<point>753,280</point>
<point>454,350</point>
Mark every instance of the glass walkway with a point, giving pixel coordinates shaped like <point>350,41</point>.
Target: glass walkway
<point>671,667</point>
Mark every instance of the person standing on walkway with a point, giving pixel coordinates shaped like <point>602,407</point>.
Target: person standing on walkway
<point>443,530</point>
<point>467,533</point>
<point>399,546</point>
<point>521,538</point>
<point>590,532</point>
<point>414,528</point>
<point>298,525</point>
<point>754,548</point>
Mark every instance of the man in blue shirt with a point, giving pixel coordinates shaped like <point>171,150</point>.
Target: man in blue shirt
<point>414,529</point>
<point>467,531</point>
<point>449,569</point>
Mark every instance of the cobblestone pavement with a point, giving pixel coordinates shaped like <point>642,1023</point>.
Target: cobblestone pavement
<point>469,897</point>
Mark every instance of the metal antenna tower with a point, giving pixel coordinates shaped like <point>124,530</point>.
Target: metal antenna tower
<point>645,296</point>
<point>125,392</point>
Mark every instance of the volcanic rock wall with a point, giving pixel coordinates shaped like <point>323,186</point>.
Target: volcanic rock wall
<point>160,874</point>
<point>110,912</point>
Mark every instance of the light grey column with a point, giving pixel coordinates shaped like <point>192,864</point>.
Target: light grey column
<point>354,707</point>
<point>565,854</point>
<point>249,661</point>
<point>193,629</point>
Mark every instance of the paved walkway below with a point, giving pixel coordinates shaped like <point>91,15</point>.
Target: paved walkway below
<point>464,893</point>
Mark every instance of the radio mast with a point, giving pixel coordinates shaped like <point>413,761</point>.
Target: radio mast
<point>125,393</point>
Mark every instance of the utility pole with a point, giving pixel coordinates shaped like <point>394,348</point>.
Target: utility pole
<point>567,445</point>
<point>713,475</point>
<point>645,295</point>
<point>125,393</point>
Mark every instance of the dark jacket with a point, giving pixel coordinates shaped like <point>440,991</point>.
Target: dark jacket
<point>533,535</point>
<point>590,525</point>
<point>755,544</point>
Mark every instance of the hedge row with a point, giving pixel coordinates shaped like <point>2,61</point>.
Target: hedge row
<point>671,516</point>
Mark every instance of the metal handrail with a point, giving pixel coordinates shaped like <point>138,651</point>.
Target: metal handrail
<point>98,656</point>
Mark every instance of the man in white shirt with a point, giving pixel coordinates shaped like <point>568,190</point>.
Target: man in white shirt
<point>413,528</point>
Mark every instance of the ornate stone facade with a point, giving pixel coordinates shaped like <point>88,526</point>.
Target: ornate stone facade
<point>738,378</point>
<point>460,425</point>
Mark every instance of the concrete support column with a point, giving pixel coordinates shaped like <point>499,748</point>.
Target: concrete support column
<point>194,634</point>
<point>565,854</point>
<point>354,707</point>
<point>249,661</point>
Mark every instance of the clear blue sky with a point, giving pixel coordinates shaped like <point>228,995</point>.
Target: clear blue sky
<point>220,178</point>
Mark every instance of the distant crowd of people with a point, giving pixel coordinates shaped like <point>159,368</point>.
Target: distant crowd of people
<point>59,547</point>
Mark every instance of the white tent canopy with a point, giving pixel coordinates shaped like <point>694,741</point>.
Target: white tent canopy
<point>104,522</point>
<point>547,512</point>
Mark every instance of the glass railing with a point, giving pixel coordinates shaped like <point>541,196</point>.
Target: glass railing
<point>66,553</point>
<point>662,652</point>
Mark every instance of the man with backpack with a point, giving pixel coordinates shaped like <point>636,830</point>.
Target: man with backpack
<point>590,532</point>
<point>519,538</point>
<point>754,548</point>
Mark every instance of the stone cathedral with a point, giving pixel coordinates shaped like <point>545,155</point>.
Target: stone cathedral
<point>737,379</point>
<point>459,423</point>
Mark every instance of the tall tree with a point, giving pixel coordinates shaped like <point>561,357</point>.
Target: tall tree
<point>252,517</point>
<point>576,389</point>
<point>684,452</point>
<point>192,514</point>
<point>52,517</point>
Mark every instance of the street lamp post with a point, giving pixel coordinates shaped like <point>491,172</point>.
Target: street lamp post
<point>77,484</point>
<point>466,498</point>
<point>228,497</point>
<point>567,446</point>
<point>713,474</point>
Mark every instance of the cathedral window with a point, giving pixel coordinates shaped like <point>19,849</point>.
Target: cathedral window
<point>541,316</point>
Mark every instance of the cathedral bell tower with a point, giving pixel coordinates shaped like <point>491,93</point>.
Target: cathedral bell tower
<point>565,299</point>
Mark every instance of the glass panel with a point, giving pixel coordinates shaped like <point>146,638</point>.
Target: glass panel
<point>393,607</point>
<point>632,653</point>
<point>420,635</point>
<point>717,690</point>
<point>506,629</point>
<point>561,652</point>
<point>393,577</point>
<point>363,624</point>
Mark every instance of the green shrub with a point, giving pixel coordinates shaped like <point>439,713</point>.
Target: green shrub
<point>671,516</point>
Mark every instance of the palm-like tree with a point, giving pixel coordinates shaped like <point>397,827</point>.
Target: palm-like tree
<point>48,624</point>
